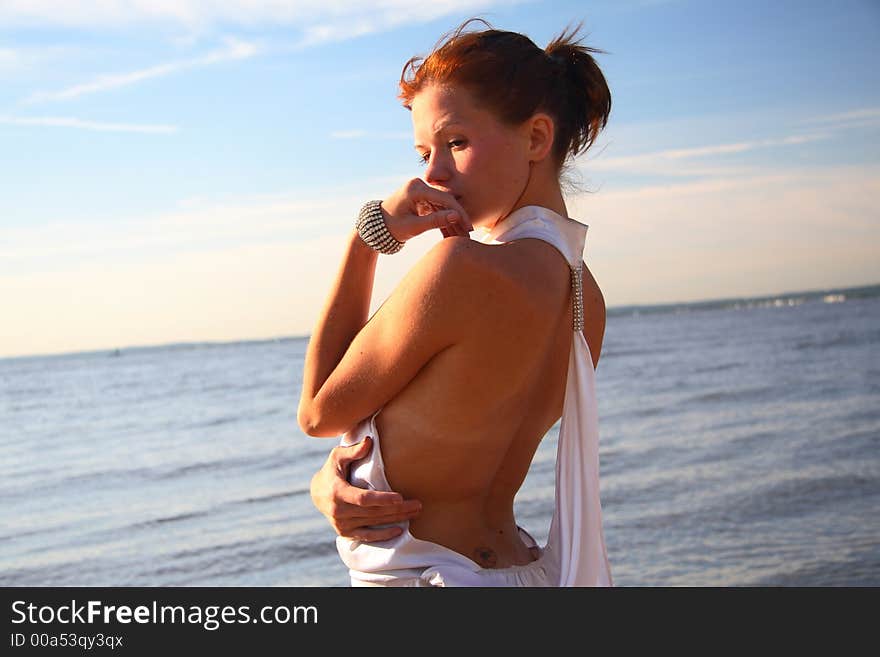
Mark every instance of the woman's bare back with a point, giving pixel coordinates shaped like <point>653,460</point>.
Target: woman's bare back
<point>461,435</point>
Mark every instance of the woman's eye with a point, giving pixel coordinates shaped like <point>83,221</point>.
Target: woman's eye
<point>455,143</point>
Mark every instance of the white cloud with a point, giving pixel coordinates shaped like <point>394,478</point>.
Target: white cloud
<point>675,162</point>
<point>197,224</point>
<point>24,61</point>
<point>758,234</point>
<point>330,32</point>
<point>234,50</point>
<point>249,291</point>
<point>348,134</point>
<point>317,21</point>
<point>740,147</point>
<point>70,122</point>
<point>322,19</point>
<point>10,59</point>
<point>363,134</point>
<point>869,116</point>
<point>252,268</point>
<point>190,228</point>
<point>348,20</point>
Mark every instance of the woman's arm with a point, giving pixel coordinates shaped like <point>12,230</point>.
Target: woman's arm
<point>344,315</point>
<point>354,366</point>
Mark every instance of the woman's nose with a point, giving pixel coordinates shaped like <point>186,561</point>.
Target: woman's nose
<point>437,170</point>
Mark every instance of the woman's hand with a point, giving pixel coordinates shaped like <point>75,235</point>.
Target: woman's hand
<point>351,510</point>
<point>417,207</point>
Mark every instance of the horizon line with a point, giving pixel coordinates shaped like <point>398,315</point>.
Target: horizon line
<point>609,309</point>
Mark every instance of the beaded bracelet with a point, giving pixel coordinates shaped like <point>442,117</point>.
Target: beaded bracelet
<point>372,229</point>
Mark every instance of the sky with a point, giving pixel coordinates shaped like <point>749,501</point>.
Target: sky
<point>189,170</point>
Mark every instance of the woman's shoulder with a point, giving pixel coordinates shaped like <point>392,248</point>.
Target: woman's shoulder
<point>524,275</point>
<point>470,278</point>
<point>464,261</point>
<point>449,276</point>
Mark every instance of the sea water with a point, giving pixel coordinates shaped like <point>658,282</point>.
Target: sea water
<point>739,446</point>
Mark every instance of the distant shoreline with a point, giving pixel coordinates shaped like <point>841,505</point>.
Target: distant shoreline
<point>855,292</point>
<point>829,295</point>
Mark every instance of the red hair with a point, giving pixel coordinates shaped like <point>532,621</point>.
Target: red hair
<point>512,77</point>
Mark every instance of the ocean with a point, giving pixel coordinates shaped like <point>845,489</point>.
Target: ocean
<point>739,446</point>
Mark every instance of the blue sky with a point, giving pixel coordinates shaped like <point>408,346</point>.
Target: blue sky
<point>188,170</point>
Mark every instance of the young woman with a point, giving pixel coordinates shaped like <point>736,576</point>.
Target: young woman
<point>445,393</point>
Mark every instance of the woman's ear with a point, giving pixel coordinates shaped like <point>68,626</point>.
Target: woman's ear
<point>541,131</point>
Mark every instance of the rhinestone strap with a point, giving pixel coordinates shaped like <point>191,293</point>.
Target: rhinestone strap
<point>577,289</point>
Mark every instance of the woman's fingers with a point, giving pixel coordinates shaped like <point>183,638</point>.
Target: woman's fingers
<point>435,215</point>
<point>343,455</point>
<point>360,497</point>
<point>365,528</point>
<point>417,207</point>
<point>360,523</point>
<point>377,499</point>
<point>367,535</point>
<point>371,515</point>
<point>423,192</point>
<point>448,221</point>
<point>354,512</point>
<point>372,521</point>
<point>387,519</point>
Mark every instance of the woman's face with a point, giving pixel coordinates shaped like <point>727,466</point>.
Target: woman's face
<point>469,153</point>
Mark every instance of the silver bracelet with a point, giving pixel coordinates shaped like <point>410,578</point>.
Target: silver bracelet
<point>372,229</point>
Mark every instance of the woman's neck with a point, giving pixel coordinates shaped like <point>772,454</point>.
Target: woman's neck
<point>543,192</point>
<point>551,199</point>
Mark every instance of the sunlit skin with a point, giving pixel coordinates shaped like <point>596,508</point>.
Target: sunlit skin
<point>458,439</point>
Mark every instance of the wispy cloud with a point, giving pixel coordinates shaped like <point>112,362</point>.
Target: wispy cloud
<point>197,224</point>
<point>348,134</point>
<point>738,147</point>
<point>796,228</point>
<point>71,122</point>
<point>23,61</point>
<point>868,116</point>
<point>364,134</point>
<point>348,20</point>
<point>234,50</point>
<point>337,31</point>
<point>324,19</point>
<point>9,58</point>
<point>676,161</point>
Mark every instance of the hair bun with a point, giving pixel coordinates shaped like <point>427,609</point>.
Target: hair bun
<point>583,102</point>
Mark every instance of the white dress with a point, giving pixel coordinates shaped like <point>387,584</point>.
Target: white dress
<point>575,553</point>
